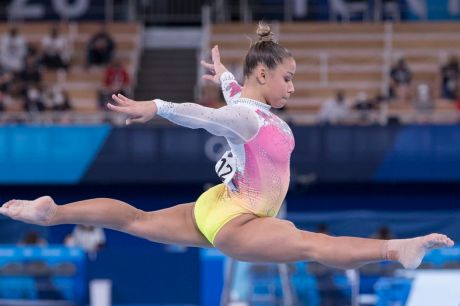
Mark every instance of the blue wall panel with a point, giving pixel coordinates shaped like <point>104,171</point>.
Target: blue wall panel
<point>171,155</point>
<point>54,154</point>
<point>423,153</point>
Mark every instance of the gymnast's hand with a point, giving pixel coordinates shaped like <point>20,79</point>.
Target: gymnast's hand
<point>39,211</point>
<point>216,68</point>
<point>137,111</point>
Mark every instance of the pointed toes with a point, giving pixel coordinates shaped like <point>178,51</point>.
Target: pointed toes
<point>439,240</point>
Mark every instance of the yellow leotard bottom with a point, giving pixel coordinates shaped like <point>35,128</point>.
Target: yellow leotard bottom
<point>214,208</point>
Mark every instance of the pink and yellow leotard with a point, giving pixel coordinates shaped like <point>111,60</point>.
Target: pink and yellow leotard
<point>255,172</point>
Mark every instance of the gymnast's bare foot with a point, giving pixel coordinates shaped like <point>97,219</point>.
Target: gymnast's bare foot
<point>39,211</point>
<point>410,252</point>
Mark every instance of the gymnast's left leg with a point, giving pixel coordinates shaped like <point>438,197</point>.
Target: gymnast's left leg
<point>250,238</point>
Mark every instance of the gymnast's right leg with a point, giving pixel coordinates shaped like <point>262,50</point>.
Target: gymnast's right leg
<point>173,225</point>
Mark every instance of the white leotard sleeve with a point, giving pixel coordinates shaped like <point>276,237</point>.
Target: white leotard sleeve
<point>230,87</point>
<point>238,123</point>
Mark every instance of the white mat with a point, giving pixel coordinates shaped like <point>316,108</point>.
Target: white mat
<point>435,287</point>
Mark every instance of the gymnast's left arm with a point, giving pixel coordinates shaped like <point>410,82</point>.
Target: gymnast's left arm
<point>220,75</point>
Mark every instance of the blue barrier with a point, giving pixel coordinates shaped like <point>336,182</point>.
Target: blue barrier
<point>50,154</point>
<point>392,291</point>
<point>51,273</point>
<point>68,155</point>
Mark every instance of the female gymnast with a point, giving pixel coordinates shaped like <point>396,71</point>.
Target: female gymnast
<point>237,216</point>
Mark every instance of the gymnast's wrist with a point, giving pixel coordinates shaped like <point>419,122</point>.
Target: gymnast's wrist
<point>161,107</point>
<point>226,76</point>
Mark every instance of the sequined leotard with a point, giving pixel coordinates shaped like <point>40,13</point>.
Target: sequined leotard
<point>255,172</point>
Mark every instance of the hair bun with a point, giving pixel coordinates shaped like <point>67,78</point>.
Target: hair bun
<point>264,32</point>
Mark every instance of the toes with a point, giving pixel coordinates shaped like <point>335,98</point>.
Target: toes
<point>439,240</point>
<point>446,240</point>
<point>11,208</point>
<point>449,241</point>
<point>9,203</point>
<point>5,210</point>
<point>13,211</point>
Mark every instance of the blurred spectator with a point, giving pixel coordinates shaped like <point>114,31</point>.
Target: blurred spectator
<point>389,9</point>
<point>14,99</point>
<point>89,238</point>
<point>39,270</point>
<point>450,75</point>
<point>380,103</point>
<point>116,80</point>
<point>5,83</point>
<point>384,233</point>
<point>30,79</point>
<point>365,107</point>
<point>322,228</point>
<point>211,96</point>
<point>55,50</point>
<point>2,102</point>
<point>334,111</point>
<point>423,101</point>
<point>362,102</point>
<point>56,99</point>
<point>5,79</point>
<point>400,80</point>
<point>13,49</point>
<point>330,293</point>
<point>33,99</point>
<point>100,48</point>
<point>347,10</point>
<point>33,238</point>
<point>31,73</point>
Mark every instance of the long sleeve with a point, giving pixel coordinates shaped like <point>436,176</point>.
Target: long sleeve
<point>230,87</point>
<point>237,123</point>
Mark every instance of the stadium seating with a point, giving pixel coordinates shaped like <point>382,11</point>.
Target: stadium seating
<point>80,83</point>
<point>355,57</point>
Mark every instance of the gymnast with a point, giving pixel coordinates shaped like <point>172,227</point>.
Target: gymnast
<point>238,215</point>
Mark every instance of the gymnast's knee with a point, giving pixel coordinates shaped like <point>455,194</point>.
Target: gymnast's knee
<point>311,244</point>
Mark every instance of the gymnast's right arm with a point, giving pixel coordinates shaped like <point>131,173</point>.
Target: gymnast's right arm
<point>238,123</point>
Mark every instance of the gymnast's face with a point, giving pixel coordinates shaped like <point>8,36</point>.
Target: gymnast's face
<point>279,85</point>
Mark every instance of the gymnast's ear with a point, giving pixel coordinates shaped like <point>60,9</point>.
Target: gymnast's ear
<point>261,74</point>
